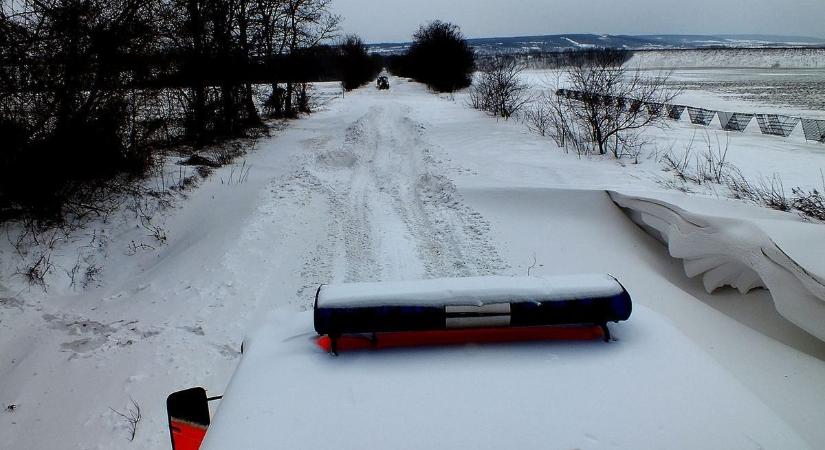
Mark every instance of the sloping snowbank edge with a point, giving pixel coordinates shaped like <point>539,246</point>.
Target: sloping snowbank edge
<point>737,252</point>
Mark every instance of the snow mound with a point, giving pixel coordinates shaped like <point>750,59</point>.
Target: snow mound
<point>745,251</point>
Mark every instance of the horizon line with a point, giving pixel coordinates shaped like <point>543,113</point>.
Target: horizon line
<point>620,34</point>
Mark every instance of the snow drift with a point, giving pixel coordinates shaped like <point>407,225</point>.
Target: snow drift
<point>745,253</point>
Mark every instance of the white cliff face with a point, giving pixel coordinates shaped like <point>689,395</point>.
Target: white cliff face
<point>742,253</point>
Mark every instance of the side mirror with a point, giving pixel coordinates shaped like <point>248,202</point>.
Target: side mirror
<point>188,412</point>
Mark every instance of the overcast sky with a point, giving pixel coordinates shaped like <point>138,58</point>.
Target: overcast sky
<point>396,20</point>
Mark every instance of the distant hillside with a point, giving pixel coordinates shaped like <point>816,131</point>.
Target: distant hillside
<point>560,42</point>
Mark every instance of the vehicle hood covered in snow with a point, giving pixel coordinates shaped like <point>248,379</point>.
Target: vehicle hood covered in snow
<point>651,388</point>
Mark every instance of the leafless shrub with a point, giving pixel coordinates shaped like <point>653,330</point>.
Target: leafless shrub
<point>237,175</point>
<point>632,146</point>
<point>539,117</point>
<point>498,88</point>
<point>713,165</point>
<point>36,272</point>
<point>35,246</point>
<point>72,273</point>
<point>132,415</point>
<point>91,274</point>
<point>679,165</point>
<point>156,232</point>
<point>771,192</point>
<point>134,247</point>
<point>712,168</point>
<point>142,207</point>
<point>709,167</point>
<point>767,192</point>
<point>740,188</point>
<point>809,203</point>
<point>560,126</point>
<point>610,113</point>
<point>676,185</point>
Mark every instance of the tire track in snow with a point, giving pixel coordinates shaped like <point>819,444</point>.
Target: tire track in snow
<point>450,237</point>
<point>394,215</point>
<point>391,212</point>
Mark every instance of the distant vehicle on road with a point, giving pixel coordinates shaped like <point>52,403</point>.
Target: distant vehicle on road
<point>382,83</point>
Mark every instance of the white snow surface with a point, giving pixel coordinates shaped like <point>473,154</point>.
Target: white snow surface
<point>478,291</point>
<point>792,58</point>
<point>536,396</point>
<point>406,185</point>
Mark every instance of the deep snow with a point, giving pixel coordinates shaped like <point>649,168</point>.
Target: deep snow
<point>404,185</point>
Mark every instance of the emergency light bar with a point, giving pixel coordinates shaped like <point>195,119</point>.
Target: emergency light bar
<point>494,302</point>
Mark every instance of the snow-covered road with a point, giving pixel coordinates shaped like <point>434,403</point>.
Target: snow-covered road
<point>394,215</point>
<point>350,193</point>
<point>379,186</point>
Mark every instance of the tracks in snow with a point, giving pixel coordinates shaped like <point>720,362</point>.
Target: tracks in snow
<point>393,213</point>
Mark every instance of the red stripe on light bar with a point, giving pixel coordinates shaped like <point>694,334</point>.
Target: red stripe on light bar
<point>186,435</point>
<point>457,337</point>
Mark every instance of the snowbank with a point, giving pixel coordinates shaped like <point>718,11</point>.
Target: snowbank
<point>746,248</point>
<point>739,58</point>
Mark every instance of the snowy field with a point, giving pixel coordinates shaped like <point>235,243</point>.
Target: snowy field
<point>398,185</point>
<point>797,91</point>
<point>790,58</point>
<point>792,159</point>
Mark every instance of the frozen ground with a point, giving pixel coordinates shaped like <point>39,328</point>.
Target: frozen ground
<point>403,185</point>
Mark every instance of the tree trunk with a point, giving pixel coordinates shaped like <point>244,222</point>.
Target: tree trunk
<point>250,111</point>
<point>197,85</point>
<point>288,100</point>
<point>252,116</point>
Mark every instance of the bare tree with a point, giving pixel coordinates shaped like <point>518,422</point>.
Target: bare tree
<point>498,89</point>
<point>610,110</point>
<point>93,92</point>
<point>308,23</point>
